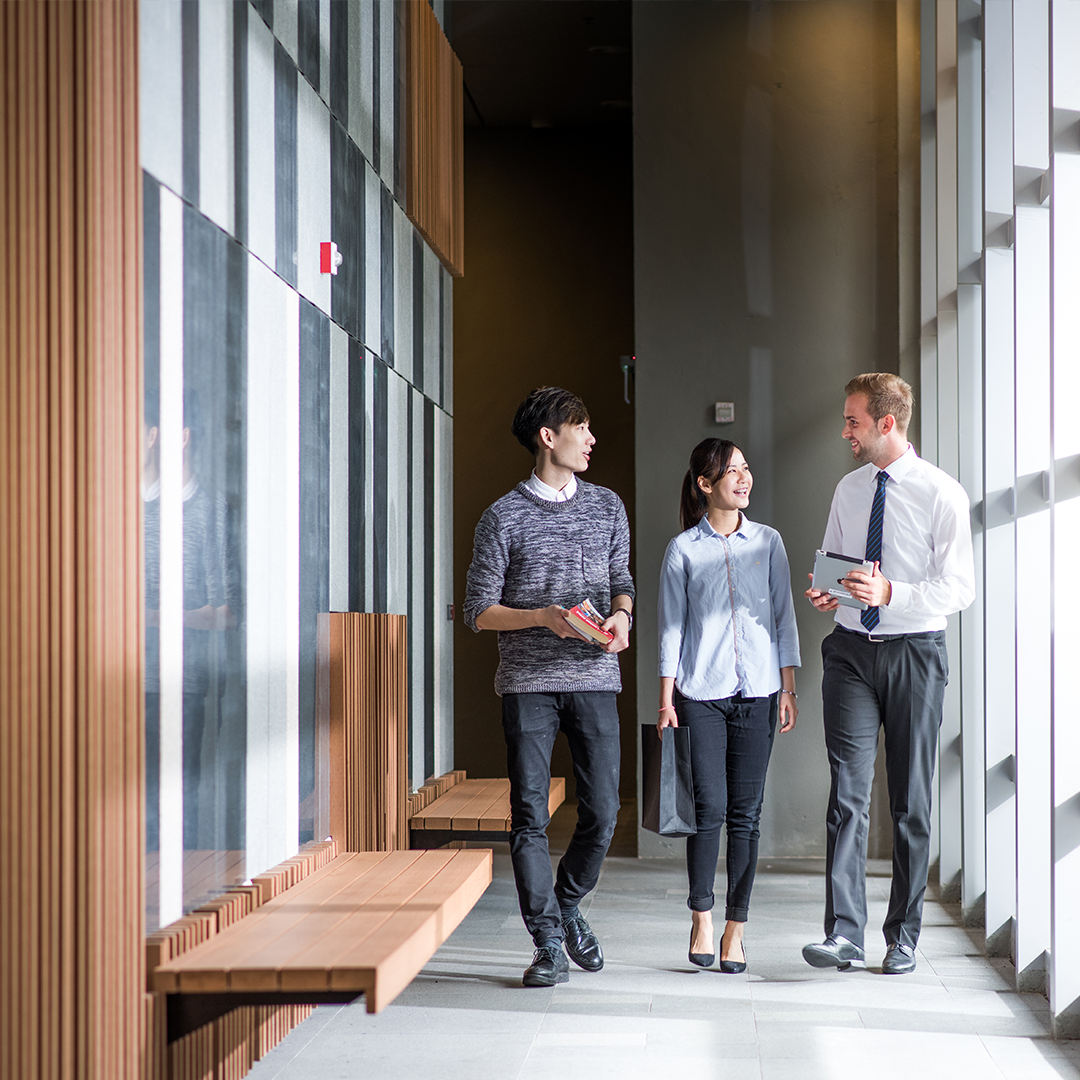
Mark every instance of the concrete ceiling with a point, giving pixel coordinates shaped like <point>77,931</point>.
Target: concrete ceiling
<point>543,63</point>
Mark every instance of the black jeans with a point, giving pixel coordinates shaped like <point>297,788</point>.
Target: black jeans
<point>730,743</point>
<point>590,722</point>
<point>898,685</point>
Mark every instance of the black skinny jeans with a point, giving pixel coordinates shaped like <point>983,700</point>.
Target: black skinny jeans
<point>730,743</point>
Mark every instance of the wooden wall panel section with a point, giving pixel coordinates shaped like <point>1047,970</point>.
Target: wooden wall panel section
<point>71,720</point>
<point>435,155</point>
<point>364,688</point>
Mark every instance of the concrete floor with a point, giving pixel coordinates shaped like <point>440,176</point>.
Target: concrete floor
<point>467,1017</point>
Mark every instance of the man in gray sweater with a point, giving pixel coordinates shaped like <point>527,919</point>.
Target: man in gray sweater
<point>549,544</point>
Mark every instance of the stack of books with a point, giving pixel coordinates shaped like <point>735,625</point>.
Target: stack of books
<point>586,620</point>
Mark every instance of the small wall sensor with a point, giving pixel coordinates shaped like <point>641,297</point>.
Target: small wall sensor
<point>725,412</point>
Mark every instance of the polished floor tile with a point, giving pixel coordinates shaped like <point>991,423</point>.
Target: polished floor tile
<point>649,1012</point>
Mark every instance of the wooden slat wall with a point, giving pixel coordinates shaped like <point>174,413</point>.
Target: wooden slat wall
<point>364,688</point>
<point>435,156</point>
<point>227,1048</point>
<point>71,720</point>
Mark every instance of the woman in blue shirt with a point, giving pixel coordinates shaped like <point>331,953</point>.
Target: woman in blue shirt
<point>728,652</point>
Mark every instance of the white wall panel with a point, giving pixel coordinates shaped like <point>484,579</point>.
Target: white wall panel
<point>261,211</point>
<point>216,139</point>
<point>160,85</point>
<point>397,494</point>
<point>312,193</point>
<point>273,561</point>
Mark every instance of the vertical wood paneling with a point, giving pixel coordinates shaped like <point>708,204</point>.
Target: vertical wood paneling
<point>71,723</point>
<point>435,149</point>
<point>364,685</point>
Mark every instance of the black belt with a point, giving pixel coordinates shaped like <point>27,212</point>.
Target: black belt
<point>877,638</point>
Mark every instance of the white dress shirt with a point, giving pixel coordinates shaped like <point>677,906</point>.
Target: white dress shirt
<point>548,493</point>
<point>925,543</point>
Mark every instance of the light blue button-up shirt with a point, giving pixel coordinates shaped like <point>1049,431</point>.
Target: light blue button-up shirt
<point>727,621</point>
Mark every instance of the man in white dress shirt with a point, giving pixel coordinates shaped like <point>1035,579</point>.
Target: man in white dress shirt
<point>887,666</point>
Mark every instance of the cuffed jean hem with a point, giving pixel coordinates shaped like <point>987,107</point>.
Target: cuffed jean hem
<point>737,914</point>
<point>703,903</point>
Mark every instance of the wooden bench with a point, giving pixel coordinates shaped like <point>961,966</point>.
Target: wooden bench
<point>365,923</point>
<point>472,810</point>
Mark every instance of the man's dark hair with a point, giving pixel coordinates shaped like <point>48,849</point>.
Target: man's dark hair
<point>549,407</point>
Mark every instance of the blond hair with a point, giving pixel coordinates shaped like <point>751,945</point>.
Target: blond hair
<point>886,395</point>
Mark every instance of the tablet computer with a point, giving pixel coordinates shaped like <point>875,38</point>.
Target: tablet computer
<point>829,571</point>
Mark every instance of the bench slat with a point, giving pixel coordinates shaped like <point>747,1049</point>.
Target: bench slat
<point>469,804</point>
<point>378,915</point>
<point>200,971</point>
<point>366,923</point>
<point>478,806</point>
<point>381,916</point>
<point>255,961</point>
<point>432,916</point>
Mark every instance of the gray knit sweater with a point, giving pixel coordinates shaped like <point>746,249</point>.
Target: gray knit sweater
<point>529,553</point>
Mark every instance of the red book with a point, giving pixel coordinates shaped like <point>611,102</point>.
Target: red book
<point>586,620</point>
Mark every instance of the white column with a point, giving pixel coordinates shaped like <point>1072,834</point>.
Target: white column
<point>1033,553</point>
<point>969,443</point>
<point>273,569</point>
<point>945,391</point>
<point>171,568</point>
<point>1064,988</point>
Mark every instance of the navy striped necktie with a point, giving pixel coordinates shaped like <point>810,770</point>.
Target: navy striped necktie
<point>871,615</point>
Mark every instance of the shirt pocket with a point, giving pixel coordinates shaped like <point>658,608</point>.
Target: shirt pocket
<point>594,567</point>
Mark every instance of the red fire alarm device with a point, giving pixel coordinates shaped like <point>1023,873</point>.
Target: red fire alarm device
<point>329,257</point>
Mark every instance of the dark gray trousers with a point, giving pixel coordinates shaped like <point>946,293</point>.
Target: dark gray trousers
<point>897,684</point>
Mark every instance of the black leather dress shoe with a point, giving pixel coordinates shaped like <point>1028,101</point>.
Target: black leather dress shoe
<point>549,966</point>
<point>835,952</point>
<point>899,960</point>
<point>582,945</point>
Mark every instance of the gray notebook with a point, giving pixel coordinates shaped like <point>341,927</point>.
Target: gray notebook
<point>830,569</point>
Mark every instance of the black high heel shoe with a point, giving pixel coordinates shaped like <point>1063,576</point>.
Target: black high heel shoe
<point>734,967</point>
<point>700,959</point>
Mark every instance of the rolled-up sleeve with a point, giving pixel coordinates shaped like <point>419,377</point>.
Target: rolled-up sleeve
<point>622,584</point>
<point>487,571</point>
<point>671,610</point>
<point>787,632</point>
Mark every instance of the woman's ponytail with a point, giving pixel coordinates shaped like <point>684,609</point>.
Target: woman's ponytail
<point>692,504</point>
